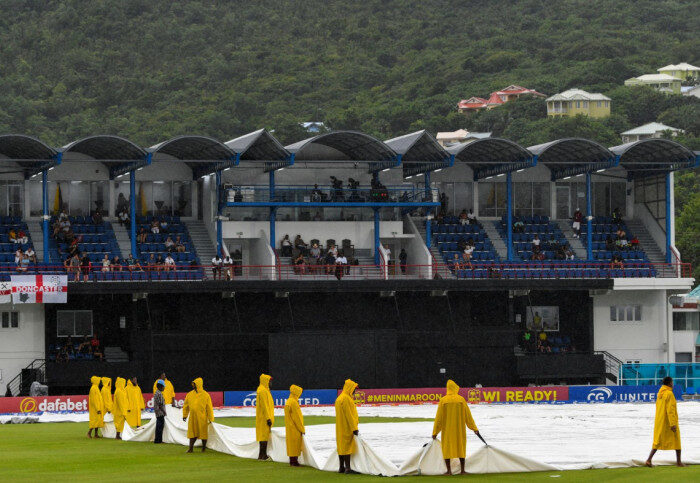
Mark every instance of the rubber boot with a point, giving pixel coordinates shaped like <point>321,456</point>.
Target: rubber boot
<point>263,450</point>
<point>293,461</point>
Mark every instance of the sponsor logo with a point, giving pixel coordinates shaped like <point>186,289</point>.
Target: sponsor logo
<point>600,394</point>
<point>250,399</point>
<point>28,405</point>
<point>360,397</point>
<point>474,396</point>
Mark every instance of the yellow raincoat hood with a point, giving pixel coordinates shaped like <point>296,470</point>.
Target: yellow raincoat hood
<point>349,387</point>
<point>95,380</point>
<point>198,384</point>
<point>106,382</point>
<point>120,383</point>
<point>295,391</point>
<point>452,387</point>
<point>265,381</point>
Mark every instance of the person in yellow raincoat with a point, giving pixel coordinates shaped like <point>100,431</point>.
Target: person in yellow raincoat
<point>346,425</point>
<point>120,409</point>
<point>294,425</point>
<point>168,392</point>
<point>96,407</point>
<point>264,414</point>
<point>453,416</point>
<point>667,434</point>
<point>136,403</point>
<point>198,407</point>
<point>106,393</point>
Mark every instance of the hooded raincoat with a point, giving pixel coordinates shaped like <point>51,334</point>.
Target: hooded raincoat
<point>168,392</point>
<point>346,420</point>
<point>452,419</point>
<point>293,422</point>
<point>107,394</point>
<point>264,409</point>
<point>136,404</point>
<point>95,404</point>
<point>666,416</point>
<point>200,410</point>
<point>120,409</point>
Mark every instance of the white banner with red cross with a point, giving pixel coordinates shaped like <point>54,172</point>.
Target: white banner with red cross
<point>38,289</point>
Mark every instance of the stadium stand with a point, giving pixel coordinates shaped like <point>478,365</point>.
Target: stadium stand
<point>7,247</point>
<point>451,236</point>
<point>549,234</point>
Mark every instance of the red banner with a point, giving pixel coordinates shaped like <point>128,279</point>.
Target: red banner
<point>78,403</point>
<point>472,395</point>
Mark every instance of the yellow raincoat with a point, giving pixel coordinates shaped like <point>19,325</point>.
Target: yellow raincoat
<point>121,404</point>
<point>95,405</point>
<point>200,410</point>
<point>107,394</point>
<point>453,415</point>
<point>346,420</point>
<point>666,416</point>
<point>293,422</point>
<point>168,392</point>
<point>136,404</point>
<point>264,409</point>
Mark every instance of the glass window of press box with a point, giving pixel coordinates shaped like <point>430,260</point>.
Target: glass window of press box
<point>156,197</point>
<point>529,198</point>
<point>245,213</point>
<point>77,198</point>
<point>11,198</point>
<point>605,197</point>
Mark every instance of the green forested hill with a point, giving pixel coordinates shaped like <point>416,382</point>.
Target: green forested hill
<point>150,69</point>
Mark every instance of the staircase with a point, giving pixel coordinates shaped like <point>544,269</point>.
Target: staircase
<point>203,244</point>
<point>115,354</point>
<point>646,242</point>
<point>36,233</point>
<point>123,240</point>
<point>440,268</point>
<point>575,243</point>
<point>499,244</point>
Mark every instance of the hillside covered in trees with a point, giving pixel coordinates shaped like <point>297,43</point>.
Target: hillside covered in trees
<point>152,69</point>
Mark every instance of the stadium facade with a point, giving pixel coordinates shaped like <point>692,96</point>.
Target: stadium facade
<point>599,300</point>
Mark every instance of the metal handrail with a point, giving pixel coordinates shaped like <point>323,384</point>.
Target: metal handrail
<point>16,382</point>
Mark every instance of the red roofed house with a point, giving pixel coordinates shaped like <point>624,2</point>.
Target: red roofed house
<point>496,98</point>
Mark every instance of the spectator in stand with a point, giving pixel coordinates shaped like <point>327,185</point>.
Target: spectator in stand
<point>62,355</point>
<point>85,347</point>
<point>340,264</point>
<point>334,251</point>
<point>403,260</point>
<point>160,263</point>
<point>569,253</point>
<point>22,237</point>
<point>300,245</point>
<point>634,243</point>
<point>142,236</point>
<point>228,267</point>
<point>132,264</point>
<point>286,246</point>
<point>609,243</point>
<point>151,262</point>
<point>621,243</point>
<point>443,203</point>
<point>316,195</point>
<point>18,255</point>
<point>315,254</point>
<point>576,225</point>
<point>106,263</point>
<point>538,256</point>
<point>164,225</point>
<point>23,264</point>
<point>169,262</point>
<point>124,219</point>
<point>97,217</point>
<point>30,254</point>
<point>216,263</point>
<point>536,244</point>
<point>456,262</point>
<point>468,251</point>
<point>299,264</point>
<point>616,262</point>
<point>463,217</point>
<point>74,263</point>
<point>471,217</point>
<point>620,232</point>
<point>12,235</point>
<point>518,226</point>
<point>179,246</point>
<point>85,266</point>
<point>155,226</point>
<point>329,260</point>
<point>617,216</point>
<point>169,244</point>
<point>116,264</point>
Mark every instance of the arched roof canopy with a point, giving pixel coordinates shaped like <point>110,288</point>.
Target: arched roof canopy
<point>345,146</point>
<point>573,156</point>
<point>202,154</point>
<point>30,154</point>
<point>119,154</point>
<point>489,157</point>
<point>649,157</point>
<point>420,153</point>
<point>261,147</point>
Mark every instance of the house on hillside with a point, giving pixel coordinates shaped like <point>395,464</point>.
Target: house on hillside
<point>313,127</point>
<point>448,138</point>
<point>577,101</point>
<point>649,130</point>
<point>497,98</point>
<point>682,71</point>
<point>661,82</point>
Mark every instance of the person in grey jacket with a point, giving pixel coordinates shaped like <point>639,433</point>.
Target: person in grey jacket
<point>159,409</point>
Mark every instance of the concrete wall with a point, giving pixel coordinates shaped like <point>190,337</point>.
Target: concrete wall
<point>261,253</point>
<point>418,253</point>
<point>19,347</point>
<point>646,340</point>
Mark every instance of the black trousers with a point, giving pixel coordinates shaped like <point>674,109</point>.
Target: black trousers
<point>160,424</point>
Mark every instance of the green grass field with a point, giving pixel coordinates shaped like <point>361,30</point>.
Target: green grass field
<point>61,452</point>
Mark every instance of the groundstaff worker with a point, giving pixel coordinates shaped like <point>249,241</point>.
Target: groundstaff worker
<point>264,414</point>
<point>95,407</point>
<point>136,403</point>
<point>294,425</point>
<point>106,393</point>
<point>453,416</point>
<point>667,434</point>
<point>168,391</point>
<point>199,408</point>
<point>121,408</point>
<point>346,425</point>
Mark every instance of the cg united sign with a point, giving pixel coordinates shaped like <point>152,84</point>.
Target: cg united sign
<point>617,394</point>
<point>312,397</point>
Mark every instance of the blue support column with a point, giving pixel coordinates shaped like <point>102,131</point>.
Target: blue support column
<point>273,236</point>
<point>427,186</point>
<point>377,240</point>
<point>509,214</point>
<point>272,186</point>
<point>589,220</point>
<point>45,210</point>
<point>132,210</point>
<point>668,218</point>
<point>219,233</point>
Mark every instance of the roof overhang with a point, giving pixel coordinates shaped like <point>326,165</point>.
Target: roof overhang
<point>30,154</point>
<point>573,156</point>
<point>420,153</point>
<point>120,155</point>
<point>490,157</point>
<point>261,148</point>
<point>204,155</point>
<point>653,156</point>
